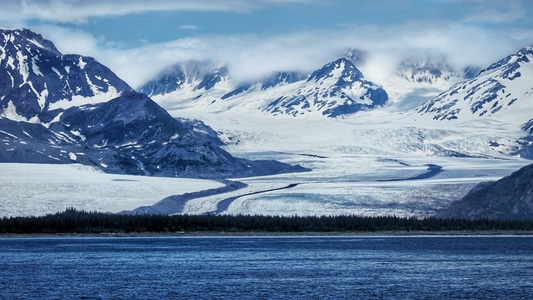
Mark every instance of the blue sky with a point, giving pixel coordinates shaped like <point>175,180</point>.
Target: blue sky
<point>137,38</point>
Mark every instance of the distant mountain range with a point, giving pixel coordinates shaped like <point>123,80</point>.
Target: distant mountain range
<point>338,88</point>
<point>201,75</point>
<point>40,88</point>
<point>57,108</point>
<point>499,92</point>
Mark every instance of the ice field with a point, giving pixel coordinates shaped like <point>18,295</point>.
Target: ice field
<point>361,166</point>
<point>39,189</point>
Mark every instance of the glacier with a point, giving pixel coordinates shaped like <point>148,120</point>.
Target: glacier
<point>353,171</point>
<point>371,158</point>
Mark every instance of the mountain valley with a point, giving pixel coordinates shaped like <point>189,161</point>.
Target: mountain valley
<point>369,142</point>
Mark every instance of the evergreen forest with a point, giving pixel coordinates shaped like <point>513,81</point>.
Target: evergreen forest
<point>83,222</point>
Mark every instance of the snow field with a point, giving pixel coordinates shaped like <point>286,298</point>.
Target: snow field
<point>39,189</point>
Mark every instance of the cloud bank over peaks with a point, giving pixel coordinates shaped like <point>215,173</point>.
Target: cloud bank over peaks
<point>253,56</point>
<point>138,38</point>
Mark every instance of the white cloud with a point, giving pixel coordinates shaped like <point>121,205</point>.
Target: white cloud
<point>498,12</point>
<point>188,27</point>
<point>78,11</point>
<point>251,56</point>
<point>463,42</point>
<point>70,41</point>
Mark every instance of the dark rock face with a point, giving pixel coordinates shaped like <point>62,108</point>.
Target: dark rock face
<point>130,134</point>
<point>58,108</point>
<point>510,198</point>
<point>525,143</point>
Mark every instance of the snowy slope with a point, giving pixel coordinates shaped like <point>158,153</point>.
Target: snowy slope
<point>417,78</point>
<point>501,95</point>
<point>275,80</point>
<point>503,91</point>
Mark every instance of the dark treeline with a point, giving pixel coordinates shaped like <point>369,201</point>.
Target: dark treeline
<point>74,221</point>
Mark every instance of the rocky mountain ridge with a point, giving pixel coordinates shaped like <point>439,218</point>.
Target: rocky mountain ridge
<point>510,198</point>
<point>37,82</point>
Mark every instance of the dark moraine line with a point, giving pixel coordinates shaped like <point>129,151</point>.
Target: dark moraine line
<point>432,171</point>
<point>224,204</point>
<point>175,204</point>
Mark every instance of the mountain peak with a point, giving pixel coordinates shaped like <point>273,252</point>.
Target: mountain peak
<point>342,69</point>
<point>38,82</point>
<point>24,36</point>
<point>336,89</point>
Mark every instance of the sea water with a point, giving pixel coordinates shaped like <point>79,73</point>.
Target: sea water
<point>275,267</point>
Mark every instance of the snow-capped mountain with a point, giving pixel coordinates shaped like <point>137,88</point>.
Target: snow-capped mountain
<point>37,81</point>
<point>337,88</point>
<point>70,109</point>
<point>502,93</point>
<point>503,90</point>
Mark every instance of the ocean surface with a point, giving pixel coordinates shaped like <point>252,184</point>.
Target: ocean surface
<point>274,267</point>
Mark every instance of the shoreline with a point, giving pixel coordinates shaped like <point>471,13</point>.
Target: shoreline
<point>459,233</point>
